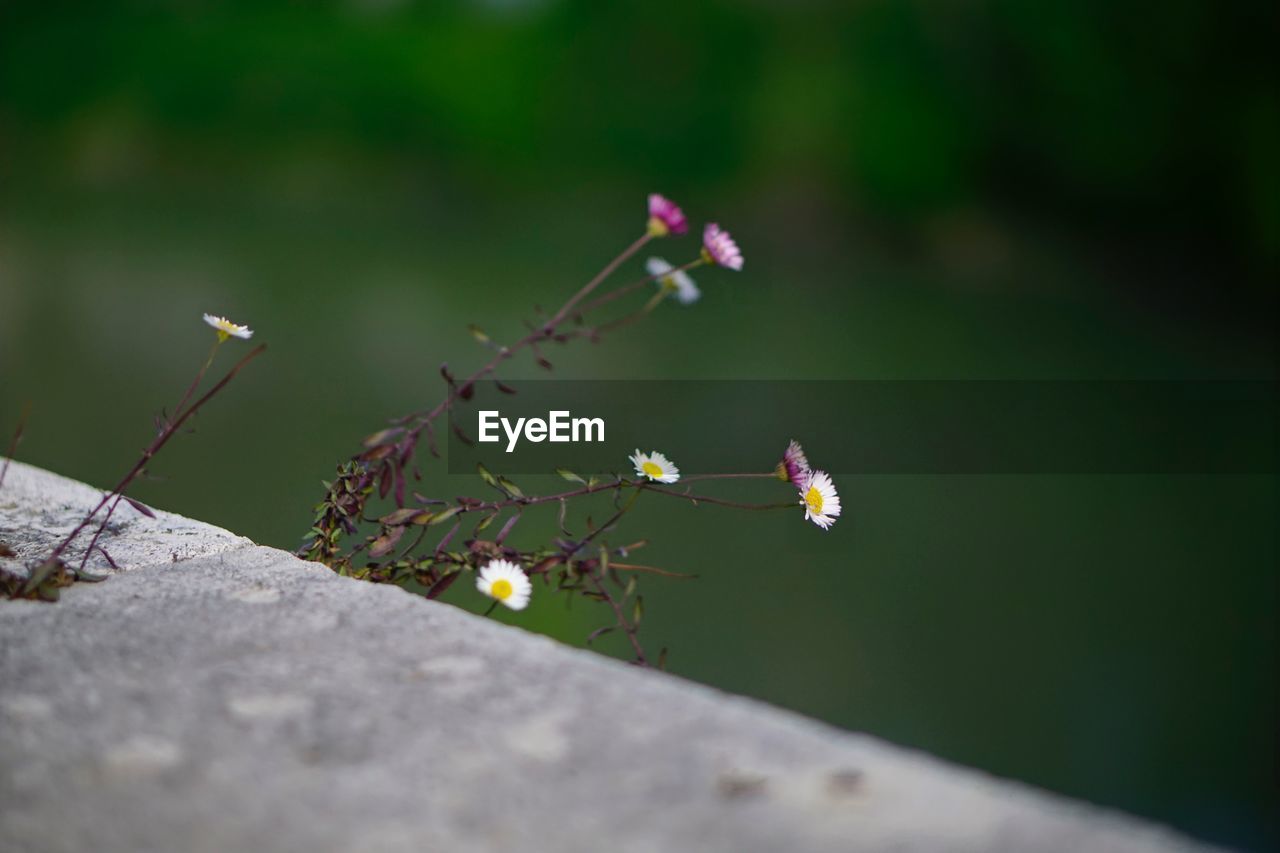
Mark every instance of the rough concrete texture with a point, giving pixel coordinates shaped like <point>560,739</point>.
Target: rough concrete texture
<point>245,700</point>
<point>38,509</point>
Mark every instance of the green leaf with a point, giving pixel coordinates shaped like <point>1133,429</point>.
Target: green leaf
<point>486,475</point>
<point>570,476</point>
<point>510,487</point>
<point>637,612</point>
<point>445,515</point>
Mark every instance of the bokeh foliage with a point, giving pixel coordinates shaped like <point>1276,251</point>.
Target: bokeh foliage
<point>994,189</point>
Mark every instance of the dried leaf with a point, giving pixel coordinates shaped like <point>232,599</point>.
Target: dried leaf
<point>382,436</point>
<point>140,507</point>
<point>384,543</point>
<point>444,540</point>
<point>506,529</point>
<point>385,479</point>
<point>444,583</point>
<point>400,516</point>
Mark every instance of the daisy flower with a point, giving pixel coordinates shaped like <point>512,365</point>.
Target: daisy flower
<point>687,292</point>
<point>227,329</point>
<point>718,248</point>
<point>655,466</point>
<point>665,217</point>
<point>819,499</point>
<point>794,465</point>
<point>504,581</point>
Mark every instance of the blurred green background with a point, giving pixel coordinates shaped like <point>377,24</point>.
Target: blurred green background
<point>1062,189</point>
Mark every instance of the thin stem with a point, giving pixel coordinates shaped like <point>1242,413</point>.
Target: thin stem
<point>101,527</point>
<point>600,276</point>
<point>154,447</point>
<point>13,442</point>
<point>694,478</point>
<point>195,383</point>
<point>636,567</point>
<point>547,330</point>
<point>700,499</point>
<point>627,627</point>
<point>618,293</point>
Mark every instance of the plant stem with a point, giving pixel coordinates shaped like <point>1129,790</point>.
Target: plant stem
<point>98,532</point>
<point>627,627</point>
<point>694,478</point>
<point>544,331</point>
<point>699,499</point>
<point>595,282</point>
<point>195,383</point>
<point>13,442</point>
<point>154,447</point>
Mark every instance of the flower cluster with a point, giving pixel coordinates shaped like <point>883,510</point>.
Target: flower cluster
<point>504,579</point>
<point>394,544</point>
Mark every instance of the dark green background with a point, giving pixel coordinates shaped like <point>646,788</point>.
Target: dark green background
<point>1020,190</point>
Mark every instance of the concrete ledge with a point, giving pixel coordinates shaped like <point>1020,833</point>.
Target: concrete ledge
<point>236,698</point>
<point>38,509</point>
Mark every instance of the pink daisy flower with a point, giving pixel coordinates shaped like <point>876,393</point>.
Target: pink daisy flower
<point>665,217</point>
<point>794,465</point>
<point>718,248</point>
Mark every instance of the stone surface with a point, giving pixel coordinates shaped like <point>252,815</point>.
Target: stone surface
<point>38,509</point>
<point>246,700</point>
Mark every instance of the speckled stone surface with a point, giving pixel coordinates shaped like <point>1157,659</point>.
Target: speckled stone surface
<point>38,509</point>
<point>246,700</point>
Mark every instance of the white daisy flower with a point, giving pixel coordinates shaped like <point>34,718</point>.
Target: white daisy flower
<point>687,292</point>
<point>655,466</point>
<point>505,581</point>
<point>227,329</point>
<point>819,499</point>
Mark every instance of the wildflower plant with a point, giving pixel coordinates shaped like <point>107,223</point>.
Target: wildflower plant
<point>60,568</point>
<point>374,523</point>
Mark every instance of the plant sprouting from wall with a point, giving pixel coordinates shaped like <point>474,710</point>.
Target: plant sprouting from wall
<point>373,523</point>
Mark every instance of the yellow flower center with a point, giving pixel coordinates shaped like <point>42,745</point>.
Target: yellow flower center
<point>651,469</point>
<point>668,283</point>
<point>813,500</point>
<point>501,589</point>
<point>658,228</point>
